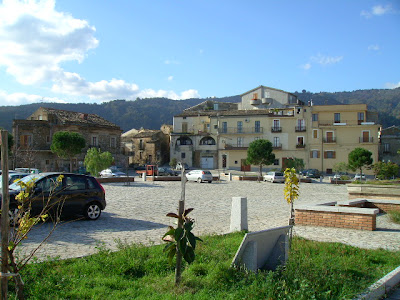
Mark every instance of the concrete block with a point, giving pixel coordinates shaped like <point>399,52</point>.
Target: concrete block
<point>239,214</point>
<point>265,249</point>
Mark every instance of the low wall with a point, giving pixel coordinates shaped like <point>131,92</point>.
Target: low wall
<point>251,178</point>
<point>384,205</point>
<point>333,216</point>
<point>115,179</point>
<point>373,191</point>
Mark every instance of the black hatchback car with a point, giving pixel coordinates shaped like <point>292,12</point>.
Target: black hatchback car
<point>75,195</point>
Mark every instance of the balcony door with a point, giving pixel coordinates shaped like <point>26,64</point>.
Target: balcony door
<point>329,137</point>
<point>365,136</point>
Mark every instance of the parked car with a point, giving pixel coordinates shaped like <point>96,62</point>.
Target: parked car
<point>111,173</point>
<point>179,166</point>
<point>313,173</point>
<point>27,170</point>
<point>274,177</point>
<point>339,175</point>
<point>13,176</point>
<point>75,195</point>
<point>199,176</point>
<point>359,177</point>
<point>162,171</point>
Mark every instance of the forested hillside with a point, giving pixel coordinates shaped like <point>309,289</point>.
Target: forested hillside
<point>152,113</point>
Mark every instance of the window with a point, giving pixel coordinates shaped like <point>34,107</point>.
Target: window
<point>224,127</point>
<point>94,141</point>
<point>255,96</point>
<point>337,117</point>
<point>365,137</point>
<point>239,127</point>
<point>360,117</point>
<point>314,154</point>
<point>386,147</point>
<point>240,142</point>
<point>224,161</point>
<point>329,171</point>
<point>300,141</point>
<point>257,127</point>
<point>301,125</point>
<point>75,183</point>
<point>48,139</point>
<point>47,162</point>
<point>112,142</point>
<point>25,140</point>
<point>315,133</point>
<point>184,127</point>
<point>207,141</point>
<point>330,154</point>
<point>183,155</point>
<point>276,142</point>
<point>184,141</point>
<point>315,117</point>
<point>329,137</point>
<point>276,162</point>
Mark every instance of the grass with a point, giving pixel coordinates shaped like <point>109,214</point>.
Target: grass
<point>314,271</point>
<point>394,216</point>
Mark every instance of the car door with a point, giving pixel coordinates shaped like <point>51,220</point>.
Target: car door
<point>46,195</point>
<point>76,193</point>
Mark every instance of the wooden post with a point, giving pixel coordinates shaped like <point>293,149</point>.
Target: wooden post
<point>181,210</point>
<point>4,213</point>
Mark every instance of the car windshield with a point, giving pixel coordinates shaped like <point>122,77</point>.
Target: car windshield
<point>33,177</point>
<point>278,174</point>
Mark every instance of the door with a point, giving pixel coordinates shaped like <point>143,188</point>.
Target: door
<point>329,137</point>
<point>365,136</point>
<point>207,162</point>
<point>244,167</point>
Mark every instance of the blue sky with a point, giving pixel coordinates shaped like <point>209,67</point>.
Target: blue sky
<point>95,51</point>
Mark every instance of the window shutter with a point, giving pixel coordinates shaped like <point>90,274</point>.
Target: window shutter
<point>333,154</point>
<point>311,154</point>
<point>325,154</point>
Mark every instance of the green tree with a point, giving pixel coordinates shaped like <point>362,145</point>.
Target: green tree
<point>95,160</point>
<point>386,170</point>
<point>67,145</point>
<point>173,163</point>
<point>260,153</point>
<point>359,158</point>
<point>295,163</point>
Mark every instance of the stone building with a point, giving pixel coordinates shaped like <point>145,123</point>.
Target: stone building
<point>33,138</point>
<point>147,146</point>
<point>390,144</point>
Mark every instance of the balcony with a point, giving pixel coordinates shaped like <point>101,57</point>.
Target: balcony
<point>366,139</point>
<point>243,130</point>
<point>276,129</point>
<point>329,140</point>
<point>277,146</point>
<point>300,145</point>
<point>300,128</point>
<point>345,122</point>
<point>236,146</point>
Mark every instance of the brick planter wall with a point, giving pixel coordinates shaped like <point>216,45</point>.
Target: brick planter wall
<point>372,191</point>
<point>335,219</point>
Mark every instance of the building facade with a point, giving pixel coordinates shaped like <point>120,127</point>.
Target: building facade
<point>390,144</point>
<point>33,138</point>
<point>217,135</point>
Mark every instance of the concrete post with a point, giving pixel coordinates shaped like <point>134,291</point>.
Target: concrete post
<point>144,177</point>
<point>239,214</point>
<point>230,176</point>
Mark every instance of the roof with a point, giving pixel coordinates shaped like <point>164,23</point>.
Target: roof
<point>214,113</point>
<point>267,87</point>
<point>145,133</point>
<point>209,105</point>
<point>66,116</point>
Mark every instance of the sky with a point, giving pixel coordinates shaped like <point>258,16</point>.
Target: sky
<point>75,51</point>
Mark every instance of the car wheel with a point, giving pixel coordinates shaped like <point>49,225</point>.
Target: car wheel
<point>92,211</point>
<point>209,181</point>
<point>199,180</point>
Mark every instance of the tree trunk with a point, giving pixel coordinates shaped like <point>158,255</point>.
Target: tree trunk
<point>260,173</point>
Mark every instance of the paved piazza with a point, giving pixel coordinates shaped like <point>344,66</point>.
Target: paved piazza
<point>136,214</point>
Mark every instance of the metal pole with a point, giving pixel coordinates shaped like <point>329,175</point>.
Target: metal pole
<point>4,214</point>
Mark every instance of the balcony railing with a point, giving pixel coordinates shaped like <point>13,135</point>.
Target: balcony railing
<point>276,129</point>
<point>366,139</point>
<point>243,130</point>
<point>236,146</point>
<point>277,146</point>
<point>344,122</point>
<point>300,145</point>
<point>329,140</point>
<point>300,128</point>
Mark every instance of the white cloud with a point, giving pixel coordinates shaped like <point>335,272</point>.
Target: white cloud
<point>171,62</point>
<point>326,60</point>
<point>22,98</point>
<point>306,66</point>
<point>390,85</point>
<point>170,78</point>
<point>373,47</point>
<point>149,93</point>
<point>35,39</point>
<point>378,10</point>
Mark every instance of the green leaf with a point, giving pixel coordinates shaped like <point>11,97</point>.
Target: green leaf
<point>189,255</point>
<point>171,254</point>
<point>170,232</point>
<point>178,233</point>
<point>192,239</point>
<point>182,246</point>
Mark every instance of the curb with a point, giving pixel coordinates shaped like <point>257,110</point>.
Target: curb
<point>381,287</point>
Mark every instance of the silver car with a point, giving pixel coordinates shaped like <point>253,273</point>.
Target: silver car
<point>274,177</point>
<point>199,176</point>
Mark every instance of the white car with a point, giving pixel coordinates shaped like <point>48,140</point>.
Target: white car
<point>111,173</point>
<point>199,176</point>
<point>274,177</point>
<point>358,177</point>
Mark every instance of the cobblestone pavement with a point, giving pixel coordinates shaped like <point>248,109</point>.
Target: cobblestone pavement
<point>137,214</point>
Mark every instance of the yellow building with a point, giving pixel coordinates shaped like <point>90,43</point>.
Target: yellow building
<point>217,135</point>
